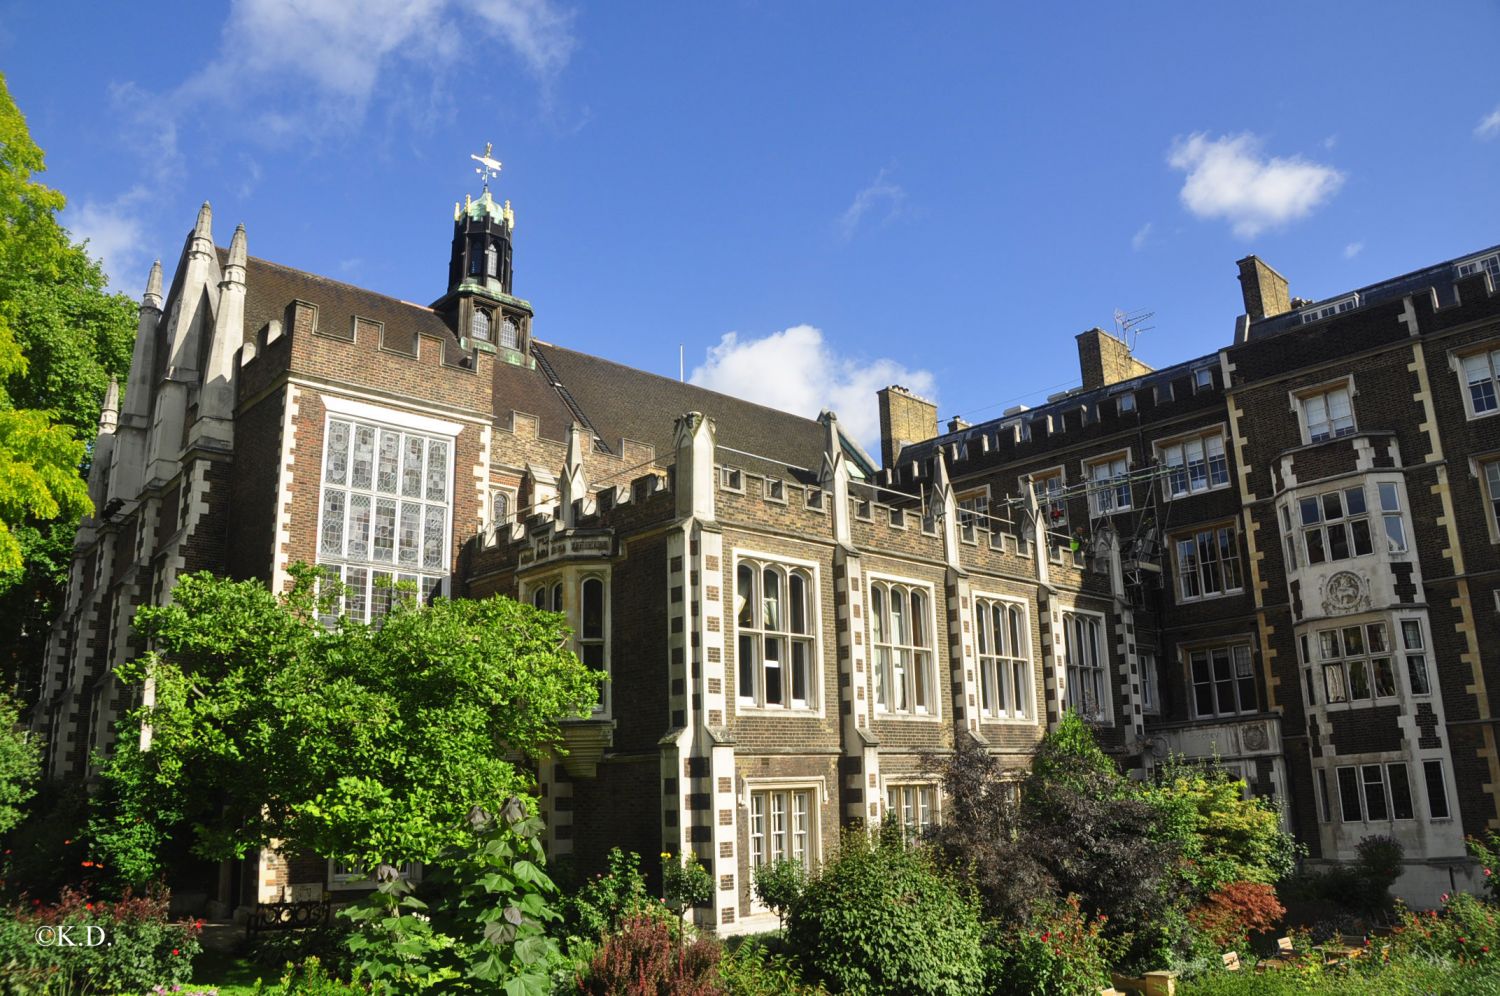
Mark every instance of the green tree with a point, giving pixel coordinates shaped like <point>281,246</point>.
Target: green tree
<point>363,743</point>
<point>62,336</point>
<point>20,763</point>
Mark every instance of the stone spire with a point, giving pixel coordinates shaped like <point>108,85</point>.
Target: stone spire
<point>216,398</point>
<point>128,461</point>
<point>109,415</point>
<point>152,297</point>
<point>694,484</point>
<point>575,486</point>
<point>834,478</point>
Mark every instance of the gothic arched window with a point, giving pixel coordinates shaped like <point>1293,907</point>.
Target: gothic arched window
<point>510,336</point>
<point>491,261</point>
<point>479,326</point>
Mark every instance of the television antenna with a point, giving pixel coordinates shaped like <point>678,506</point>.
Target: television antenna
<point>488,166</point>
<point>1130,325</point>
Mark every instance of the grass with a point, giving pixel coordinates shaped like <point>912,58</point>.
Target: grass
<point>1404,977</point>
<point>231,975</point>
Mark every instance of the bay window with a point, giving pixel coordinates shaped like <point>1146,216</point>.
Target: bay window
<point>1357,663</point>
<point>1335,525</point>
<point>1374,793</point>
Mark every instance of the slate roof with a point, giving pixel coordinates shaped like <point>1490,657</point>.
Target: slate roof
<point>616,400</point>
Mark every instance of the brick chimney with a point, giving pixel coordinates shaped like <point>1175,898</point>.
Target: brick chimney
<point>904,419</point>
<point>1264,290</point>
<point>1105,360</point>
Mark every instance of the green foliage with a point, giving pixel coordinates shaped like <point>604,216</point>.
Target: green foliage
<point>605,902</point>
<point>311,978</point>
<point>20,764</point>
<point>45,852</point>
<point>486,926</point>
<point>1058,952</point>
<point>363,743</point>
<point>1467,929</point>
<point>685,882</point>
<point>61,338</point>
<point>882,918</point>
<point>753,970</point>
<point>1406,977</point>
<point>780,884</point>
<point>143,946</point>
<point>1488,853</point>
<point>1069,760</point>
<point>1221,836</point>
<point>1379,863</point>
<point>646,957</point>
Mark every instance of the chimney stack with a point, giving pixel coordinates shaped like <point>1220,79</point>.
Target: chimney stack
<point>1105,360</point>
<point>904,419</point>
<point>1264,290</point>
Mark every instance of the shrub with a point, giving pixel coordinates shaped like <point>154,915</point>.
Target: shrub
<point>1379,864</point>
<point>1232,913</point>
<point>780,884</point>
<point>685,882</point>
<point>309,978</point>
<point>142,946</point>
<point>1466,930</point>
<point>610,898</point>
<point>1488,853</point>
<point>882,918</point>
<point>752,970</point>
<point>645,958</point>
<point>1059,951</point>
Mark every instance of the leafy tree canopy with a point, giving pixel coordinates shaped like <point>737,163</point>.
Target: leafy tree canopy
<point>363,743</point>
<point>62,336</point>
<point>20,763</point>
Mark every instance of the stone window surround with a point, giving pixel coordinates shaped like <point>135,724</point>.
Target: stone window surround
<point>1232,524</point>
<point>1109,487</point>
<point>1298,402</point>
<point>1311,662</point>
<point>817,785</point>
<point>1456,358</point>
<point>887,785</point>
<point>1107,712</point>
<point>571,580</point>
<point>1202,434</point>
<point>934,711</point>
<point>1032,712</point>
<point>1228,641</point>
<point>815,623</point>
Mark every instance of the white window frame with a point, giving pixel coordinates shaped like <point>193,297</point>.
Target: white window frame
<point>786,566</point>
<point>973,513</point>
<point>886,710</point>
<point>1054,527</point>
<point>1416,654</point>
<point>732,479</point>
<point>1363,783</point>
<point>366,576</point>
<point>340,879</point>
<point>773,489</point>
<point>1327,309</point>
<point>1110,492</point>
<point>1340,668</point>
<point>1150,681</point>
<point>1330,426</point>
<point>904,801</point>
<point>1233,653</point>
<point>1179,452</point>
<point>1193,571</point>
<point>1487,263</point>
<point>996,672</point>
<point>1095,664</point>
<point>1479,380</point>
<point>817,792</point>
<point>1346,523</point>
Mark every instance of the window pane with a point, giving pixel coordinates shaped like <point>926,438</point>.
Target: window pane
<point>1416,669</point>
<point>362,466</point>
<point>1333,683</point>
<point>336,466</point>
<point>747,666</point>
<point>333,523</point>
<point>592,623</point>
<point>1361,531</point>
<point>437,470</point>
<point>1400,792</point>
<point>411,517</point>
<point>797,597</point>
<point>432,536</point>
<point>1354,501</point>
<point>745,593</point>
<point>1349,796</point>
<point>1375,801</point>
<point>390,455</point>
<point>1359,680</point>
<point>1437,790</point>
<point>1385,676</point>
<point>1315,551</point>
<point>385,530</point>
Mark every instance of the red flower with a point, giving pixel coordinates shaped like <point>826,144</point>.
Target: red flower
<point>36,902</point>
<point>1485,949</point>
<point>88,906</point>
<point>176,952</point>
<point>87,864</point>
<point>1046,935</point>
<point>67,841</point>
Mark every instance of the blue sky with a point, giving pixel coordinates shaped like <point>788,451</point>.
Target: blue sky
<point>816,199</point>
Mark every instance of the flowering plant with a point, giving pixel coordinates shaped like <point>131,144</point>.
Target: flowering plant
<point>1059,950</point>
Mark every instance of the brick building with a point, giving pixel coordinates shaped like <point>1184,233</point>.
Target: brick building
<point>791,629</point>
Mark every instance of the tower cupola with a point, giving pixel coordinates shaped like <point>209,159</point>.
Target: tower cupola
<point>479,302</point>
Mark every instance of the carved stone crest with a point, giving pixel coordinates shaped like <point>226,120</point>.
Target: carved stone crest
<point>1344,592</point>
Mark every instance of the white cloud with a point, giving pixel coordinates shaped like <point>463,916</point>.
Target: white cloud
<point>1138,240</point>
<point>1353,249</point>
<point>880,196</point>
<point>1488,126</point>
<point>113,230</point>
<point>292,71</point>
<point>796,370</point>
<point>1228,178</point>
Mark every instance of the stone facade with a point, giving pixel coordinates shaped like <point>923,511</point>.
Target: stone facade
<point>1280,557</point>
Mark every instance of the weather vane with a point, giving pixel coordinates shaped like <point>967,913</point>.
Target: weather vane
<point>488,165</point>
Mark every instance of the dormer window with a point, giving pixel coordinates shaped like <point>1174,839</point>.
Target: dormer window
<point>1484,264</point>
<point>491,261</point>
<point>510,336</point>
<point>1319,312</point>
<point>479,326</point>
